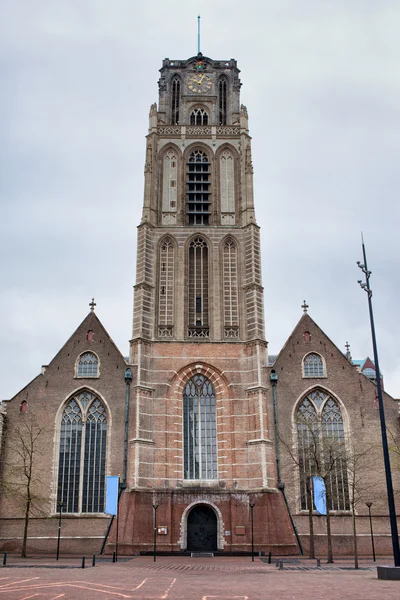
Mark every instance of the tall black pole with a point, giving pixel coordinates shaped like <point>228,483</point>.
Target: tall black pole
<point>252,505</point>
<point>369,504</point>
<point>128,380</point>
<point>60,507</point>
<point>389,485</point>
<point>155,506</point>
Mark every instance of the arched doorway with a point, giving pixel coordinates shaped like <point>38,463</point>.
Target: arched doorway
<point>202,529</point>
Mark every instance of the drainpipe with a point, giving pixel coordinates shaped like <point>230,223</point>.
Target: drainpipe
<point>128,380</point>
<point>281,486</point>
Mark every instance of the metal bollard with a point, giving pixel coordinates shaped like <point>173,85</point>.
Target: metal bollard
<point>83,562</point>
<point>277,562</point>
<point>269,557</point>
<point>113,557</point>
<point>94,560</point>
<point>280,565</point>
<point>318,563</point>
<point>5,559</point>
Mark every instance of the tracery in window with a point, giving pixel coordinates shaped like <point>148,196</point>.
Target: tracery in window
<point>170,176</point>
<point>321,448</point>
<point>198,289</point>
<point>199,429</point>
<point>230,288</point>
<point>87,365</point>
<point>198,191</point>
<point>166,287</point>
<point>222,100</point>
<point>82,454</point>
<point>198,116</point>
<point>175,100</point>
<point>313,366</point>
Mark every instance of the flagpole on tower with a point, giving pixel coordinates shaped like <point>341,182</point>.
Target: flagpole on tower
<point>198,34</point>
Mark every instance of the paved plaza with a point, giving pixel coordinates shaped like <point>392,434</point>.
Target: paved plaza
<point>183,578</point>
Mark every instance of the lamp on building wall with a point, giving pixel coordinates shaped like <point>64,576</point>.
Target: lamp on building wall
<point>155,506</point>
<point>369,504</point>
<point>252,505</point>
<point>60,506</point>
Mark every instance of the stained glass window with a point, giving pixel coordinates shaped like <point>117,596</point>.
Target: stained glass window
<point>199,429</point>
<point>87,365</point>
<point>321,448</point>
<point>82,454</point>
<point>313,366</point>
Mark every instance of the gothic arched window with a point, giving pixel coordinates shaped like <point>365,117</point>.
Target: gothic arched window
<point>230,289</point>
<point>227,186</point>
<point>175,100</point>
<point>87,365</point>
<point>199,429</point>
<point>166,288</point>
<point>198,116</point>
<point>198,194</point>
<point>313,366</point>
<point>222,100</point>
<point>322,449</point>
<point>198,289</point>
<point>82,455</point>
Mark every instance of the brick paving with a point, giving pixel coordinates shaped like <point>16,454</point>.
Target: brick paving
<point>183,578</point>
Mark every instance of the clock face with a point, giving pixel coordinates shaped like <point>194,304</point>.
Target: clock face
<point>199,83</point>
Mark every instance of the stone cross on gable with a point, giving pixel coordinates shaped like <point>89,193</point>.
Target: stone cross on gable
<point>304,306</point>
<point>92,304</point>
<point>348,354</point>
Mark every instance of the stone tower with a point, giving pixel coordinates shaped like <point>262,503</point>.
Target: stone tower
<point>200,443</point>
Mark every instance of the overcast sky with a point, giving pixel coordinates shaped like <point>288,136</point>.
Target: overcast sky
<point>322,87</point>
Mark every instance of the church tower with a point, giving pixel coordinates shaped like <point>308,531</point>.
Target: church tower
<point>200,442</point>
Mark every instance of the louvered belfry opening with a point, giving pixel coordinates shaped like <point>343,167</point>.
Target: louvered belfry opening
<point>198,192</point>
<point>198,289</point>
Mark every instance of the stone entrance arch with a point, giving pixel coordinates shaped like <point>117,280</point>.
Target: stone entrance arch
<point>220,541</point>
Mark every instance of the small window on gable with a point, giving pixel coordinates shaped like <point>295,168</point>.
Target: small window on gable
<point>87,365</point>
<point>24,406</point>
<point>313,366</point>
<point>307,336</point>
<point>90,336</point>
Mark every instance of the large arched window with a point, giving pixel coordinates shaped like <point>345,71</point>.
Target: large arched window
<point>199,429</point>
<point>87,365</point>
<point>175,99</point>
<point>322,448</point>
<point>82,454</point>
<point>313,366</point>
<point>198,116</point>
<point>230,288</point>
<point>198,326</point>
<point>198,193</point>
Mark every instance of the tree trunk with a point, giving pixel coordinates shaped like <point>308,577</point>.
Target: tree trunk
<point>328,523</point>
<point>310,520</point>
<point>26,523</point>
<point>353,516</point>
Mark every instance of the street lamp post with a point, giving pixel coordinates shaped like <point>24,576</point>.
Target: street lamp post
<point>389,485</point>
<point>369,504</point>
<point>60,507</point>
<point>155,506</point>
<point>252,505</point>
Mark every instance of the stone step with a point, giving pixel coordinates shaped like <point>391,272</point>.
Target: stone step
<point>202,555</point>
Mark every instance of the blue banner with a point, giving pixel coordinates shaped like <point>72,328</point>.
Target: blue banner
<point>319,495</point>
<point>112,485</point>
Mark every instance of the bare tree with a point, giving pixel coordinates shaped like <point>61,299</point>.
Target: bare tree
<point>24,455</point>
<point>320,453</point>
